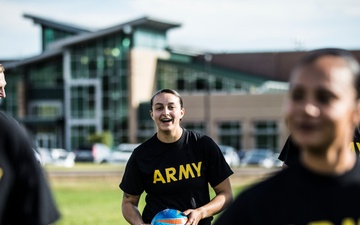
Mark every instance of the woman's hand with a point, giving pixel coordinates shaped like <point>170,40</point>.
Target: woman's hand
<point>194,216</point>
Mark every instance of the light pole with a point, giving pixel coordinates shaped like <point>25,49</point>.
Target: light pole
<point>207,102</point>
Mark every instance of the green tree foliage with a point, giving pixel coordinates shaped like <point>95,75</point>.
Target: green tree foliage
<point>104,138</point>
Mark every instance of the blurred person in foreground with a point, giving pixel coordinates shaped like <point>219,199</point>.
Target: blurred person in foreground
<point>290,152</point>
<point>25,197</point>
<point>322,111</point>
<point>175,167</point>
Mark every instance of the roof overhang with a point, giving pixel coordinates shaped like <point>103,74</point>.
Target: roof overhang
<point>38,58</point>
<point>145,22</point>
<point>56,25</point>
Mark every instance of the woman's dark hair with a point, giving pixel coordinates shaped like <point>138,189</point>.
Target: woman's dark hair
<point>170,91</point>
<point>349,58</point>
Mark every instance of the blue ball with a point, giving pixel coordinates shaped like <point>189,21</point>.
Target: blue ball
<point>169,217</point>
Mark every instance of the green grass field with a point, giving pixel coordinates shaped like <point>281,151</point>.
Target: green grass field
<point>91,200</point>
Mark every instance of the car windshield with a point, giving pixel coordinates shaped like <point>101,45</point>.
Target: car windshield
<point>258,153</point>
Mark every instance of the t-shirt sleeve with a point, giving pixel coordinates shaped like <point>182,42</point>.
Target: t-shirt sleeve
<point>284,151</point>
<point>131,182</point>
<point>290,153</point>
<point>217,167</point>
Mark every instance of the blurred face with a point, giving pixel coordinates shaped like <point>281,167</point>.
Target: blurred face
<point>2,85</point>
<point>321,105</point>
<point>167,112</point>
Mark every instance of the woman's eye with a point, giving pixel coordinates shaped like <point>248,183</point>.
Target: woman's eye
<point>296,95</point>
<point>324,97</point>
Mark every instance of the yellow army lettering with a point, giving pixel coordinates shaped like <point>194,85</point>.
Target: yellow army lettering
<point>186,171</point>
<point>1,173</point>
<point>352,145</point>
<point>346,221</point>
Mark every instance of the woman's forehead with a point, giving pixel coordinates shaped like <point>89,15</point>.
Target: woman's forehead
<point>166,98</point>
<point>324,70</point>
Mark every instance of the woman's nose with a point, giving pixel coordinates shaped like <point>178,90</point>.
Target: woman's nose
<point>312,110</point>
<point>2,93</point>
<point>166,111</point>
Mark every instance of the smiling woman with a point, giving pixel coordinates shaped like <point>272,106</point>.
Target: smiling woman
<point>175,168</point>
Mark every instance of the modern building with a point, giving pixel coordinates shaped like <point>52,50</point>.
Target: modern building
<point>86,82</point>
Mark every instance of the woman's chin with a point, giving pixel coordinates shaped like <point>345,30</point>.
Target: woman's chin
<point>308,141</point>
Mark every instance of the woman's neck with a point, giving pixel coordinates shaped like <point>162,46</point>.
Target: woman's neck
<point>170,136</point>
<point>335,162</point>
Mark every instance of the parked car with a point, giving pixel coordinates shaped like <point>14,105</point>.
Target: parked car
<point>122,153</point>
<point>55,156</point>
<point>97,153</point>
<point>272,162</point>
<point>256,157</point>
<point>45,155</point>
<point>241,154</point>
<point>230,154</point>
<point>61,157</point>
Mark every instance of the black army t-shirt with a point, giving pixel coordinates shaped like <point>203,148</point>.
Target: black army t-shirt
<point>175,175</point>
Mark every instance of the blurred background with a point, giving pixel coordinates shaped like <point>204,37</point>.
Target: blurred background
<point>80,75</point>
<point>83,72</point>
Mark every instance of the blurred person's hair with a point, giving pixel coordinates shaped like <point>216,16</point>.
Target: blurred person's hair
<point>347,56</point>
<point>2,68</point>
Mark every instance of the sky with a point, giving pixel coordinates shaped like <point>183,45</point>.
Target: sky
<point>221,26</point>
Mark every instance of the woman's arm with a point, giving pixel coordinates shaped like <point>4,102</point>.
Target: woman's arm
<point>222,199</point>
<point>130,209</point>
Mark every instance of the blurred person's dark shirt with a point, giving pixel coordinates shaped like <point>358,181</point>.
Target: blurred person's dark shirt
<point>25,197</point>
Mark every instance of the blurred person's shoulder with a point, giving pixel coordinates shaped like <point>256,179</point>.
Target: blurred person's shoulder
<point>7,120</point>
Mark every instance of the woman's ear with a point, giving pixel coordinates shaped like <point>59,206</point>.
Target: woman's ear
<point>182,112</point>
<point>356,118</point>
<point>151,114</point>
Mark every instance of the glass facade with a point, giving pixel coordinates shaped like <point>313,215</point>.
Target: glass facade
<point>230,133</point>
<point>44,89</point>
<point>266,135</point>
<point>80,134</point>
<point>92,94</point>
<point>14,80</point>
<point>106,60</point>
<point>201,78</point>
<point>47,74</point>
<point>146,38</point>
<point>51,35</point>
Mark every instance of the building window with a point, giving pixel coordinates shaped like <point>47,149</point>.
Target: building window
<point>80,135</point>
<point>83,102</point>
<point>194,126</point>
<point>46,75</point>
<point>230,133</point>
<point>149,39</point>
<point>194,80</point>
<point>266,135</point>
<point>46,109</point>
<point>146,129</point>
